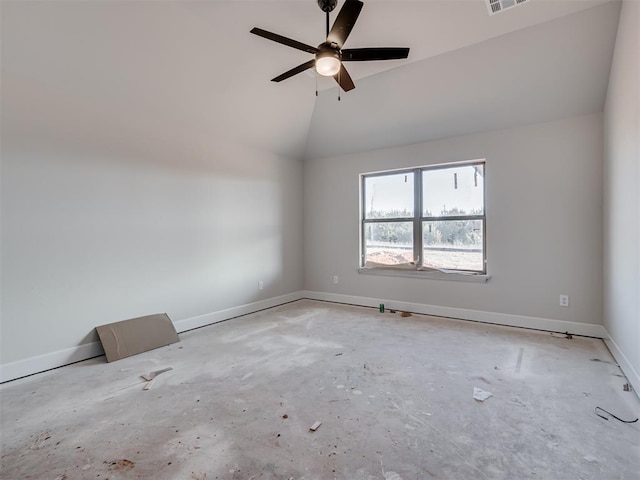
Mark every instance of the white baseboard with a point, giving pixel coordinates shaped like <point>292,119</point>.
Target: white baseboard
<point>625,364</point>
<point>41,363</point>
<point>536,323</point>
<point>222,315</point>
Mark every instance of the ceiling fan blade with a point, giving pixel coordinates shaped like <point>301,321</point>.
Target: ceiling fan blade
<point>284,40</point>
<point>344,23</point>
<point>344,79</point>
<point>294,71</point>
<point>366,54</point>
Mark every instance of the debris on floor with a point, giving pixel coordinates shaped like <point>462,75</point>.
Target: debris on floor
<point>519,361</point>
<point>392,476</point>
<point>150,377</point>
<point>481,395</point>
<point>566,335</point>
<point>627,387</point>
<point>595,410</point>
<point>338,354</point>
<point>405,314</point>
<point>603,361</point>
<point>40,440</point>
<point>122,464</point>
<point>285,416</point>
<point>153,375</point>
<point>315,426</point>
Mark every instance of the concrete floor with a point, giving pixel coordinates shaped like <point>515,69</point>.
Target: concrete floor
<point>394,396</point>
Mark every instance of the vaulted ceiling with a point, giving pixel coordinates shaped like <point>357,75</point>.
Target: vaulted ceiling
<point>191,69</point>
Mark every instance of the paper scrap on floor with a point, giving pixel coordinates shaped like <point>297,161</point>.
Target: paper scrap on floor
<point>481,395</point>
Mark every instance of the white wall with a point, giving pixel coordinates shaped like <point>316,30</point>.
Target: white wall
<point>621,198</point>
<point>544,222</point>
<point>105,219</point>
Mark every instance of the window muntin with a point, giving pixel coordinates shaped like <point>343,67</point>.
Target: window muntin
<point>428,218</point>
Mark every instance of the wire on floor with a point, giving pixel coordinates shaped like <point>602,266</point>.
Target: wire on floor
<point>611,414</point>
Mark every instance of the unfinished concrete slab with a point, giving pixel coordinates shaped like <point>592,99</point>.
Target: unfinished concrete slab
<point>394,397</point>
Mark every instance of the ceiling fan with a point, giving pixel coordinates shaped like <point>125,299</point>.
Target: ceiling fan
<point>329,55</point>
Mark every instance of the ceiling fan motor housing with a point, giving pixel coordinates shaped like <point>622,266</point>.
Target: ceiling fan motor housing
<point>327,5</point>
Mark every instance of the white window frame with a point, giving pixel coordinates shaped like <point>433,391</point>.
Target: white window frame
<point>416,269</point>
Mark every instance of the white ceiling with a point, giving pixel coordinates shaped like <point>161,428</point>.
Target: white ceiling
<point>548,71</point>
<point>192,68</point>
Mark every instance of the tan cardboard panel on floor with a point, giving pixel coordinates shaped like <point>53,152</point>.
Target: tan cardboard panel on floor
<point>137,335</point>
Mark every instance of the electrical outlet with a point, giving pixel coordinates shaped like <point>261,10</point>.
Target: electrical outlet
<point>336,280</point>
<point>564,300</point>
<point>260,285</point>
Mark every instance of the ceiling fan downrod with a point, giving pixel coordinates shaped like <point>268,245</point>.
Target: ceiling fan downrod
<point>327,6</point>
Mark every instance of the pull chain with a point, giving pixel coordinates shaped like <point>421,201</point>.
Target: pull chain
<point>339,72</point>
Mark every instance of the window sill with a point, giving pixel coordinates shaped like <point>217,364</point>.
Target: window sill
<point>447,276</point>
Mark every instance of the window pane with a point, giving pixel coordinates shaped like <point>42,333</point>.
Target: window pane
<point>453,191</point>
<point>453,244</point>
<point>388,243</point>
<point>389,196</point>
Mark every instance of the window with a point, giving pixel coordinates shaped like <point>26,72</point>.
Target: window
<point>424,219</point>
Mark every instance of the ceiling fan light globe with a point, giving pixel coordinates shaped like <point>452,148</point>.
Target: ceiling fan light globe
<point>327,66</point>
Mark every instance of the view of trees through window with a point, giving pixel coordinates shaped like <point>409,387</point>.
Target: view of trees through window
<point>396,234</point>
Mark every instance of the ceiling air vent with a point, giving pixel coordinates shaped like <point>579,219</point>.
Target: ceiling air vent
<point>496,6</point>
